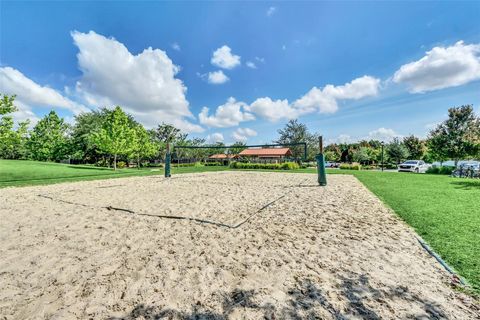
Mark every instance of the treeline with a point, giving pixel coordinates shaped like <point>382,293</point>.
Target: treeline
<point>103,137</point>
<point>108,137</point>
<point>456,138</point>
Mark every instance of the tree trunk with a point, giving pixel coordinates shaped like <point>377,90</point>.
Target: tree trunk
<point>115,162</point>
<point>138,162</point>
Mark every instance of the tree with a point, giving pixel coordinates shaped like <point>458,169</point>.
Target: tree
<point>237,147</point>
<point>116,136</point>
<point>12,142</point>
<point>416,147</point>
<point>49,139</point>
<point>296,132</point>
<point>396,151</point>
<point>333,152</point>
<point>86,124</point>
<point>361,155</point>
<point>456,137</point>
<point>143,145</point>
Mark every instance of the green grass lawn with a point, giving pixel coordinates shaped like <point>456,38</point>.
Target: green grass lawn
<point>444,211</point>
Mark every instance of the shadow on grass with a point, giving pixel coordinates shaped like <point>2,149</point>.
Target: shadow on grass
<point>467,184</point>
<point>83,167</point>
<point>306,300</point>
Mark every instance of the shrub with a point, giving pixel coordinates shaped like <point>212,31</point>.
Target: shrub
<point>269,166</point>
<point>433,170</point>
<point>446,170</point>
<point>211,164</point>
<point>121,164</point>
<point>353,166</point>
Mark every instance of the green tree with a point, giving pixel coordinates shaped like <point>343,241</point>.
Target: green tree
<point>361,155</point>
<point>143,146</point>
<point>116,136</point>
<point>49,139</point>
<point>86,124</point>
<point>237,147</point>
<point>456,137</point>
<point>333,152</point>
<point>396,151</point>
<point>12,142</point>
<point>416,147</point>
<point>296,132</point>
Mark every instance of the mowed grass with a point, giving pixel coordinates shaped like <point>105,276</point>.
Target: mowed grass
<point>444,211</point>
<point>15,173</point>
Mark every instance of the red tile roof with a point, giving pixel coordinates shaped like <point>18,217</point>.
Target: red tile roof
<point>266,152</point>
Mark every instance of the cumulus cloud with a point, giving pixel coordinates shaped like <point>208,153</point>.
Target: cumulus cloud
<point>326,100</point>
<point>441,67</point>
<point>217,77</point>
<point>251,65</point>
<point>273,110</point>
<point>31,94</point>
<point>223,58</point>
<point>383,134</point>
<point>271,11</point>
<point>144,84</point>
<point>215,137</point>
<point>323,100</point>
<point>229,114</point>
<point>242,134</point>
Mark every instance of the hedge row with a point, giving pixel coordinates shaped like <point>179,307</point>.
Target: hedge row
<point>270,166</point>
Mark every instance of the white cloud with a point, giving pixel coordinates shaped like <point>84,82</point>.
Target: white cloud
<point>271,11</point>
<point>215,137</point>
<point>229,114</point>
<point>176,46</point>
<point>30,93</point>
<point>251,65</point>
<point>326,100</point>
<point>217,77</point>
<point>272,110</point>
<point>242,134</point>
<point>223,58</point>
<point>316,100</point>
<point>441,67</point>
<point>343,138</point>
<point>383,134</point>
<point>144,84</point>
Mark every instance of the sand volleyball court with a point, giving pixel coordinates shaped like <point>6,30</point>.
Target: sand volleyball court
<point>226,245</point>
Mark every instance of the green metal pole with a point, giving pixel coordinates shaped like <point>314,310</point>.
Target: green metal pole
<point>322,177</point>
<point>168,158</point>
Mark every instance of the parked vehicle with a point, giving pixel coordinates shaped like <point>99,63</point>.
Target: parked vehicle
<point>329,164</point>
<point>417,166</point>
<point>467,170</point>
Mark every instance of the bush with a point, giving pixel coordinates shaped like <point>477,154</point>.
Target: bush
<point>121,164</point>
<point>433,170</point>
<point>216,163</point>
<point>268,166</point>
<point>446,170</point>
<point>181,165</point>
<point>353,166</point>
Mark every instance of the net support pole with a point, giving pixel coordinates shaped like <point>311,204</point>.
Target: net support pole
<point>168,159</point>
<point>322,177</point>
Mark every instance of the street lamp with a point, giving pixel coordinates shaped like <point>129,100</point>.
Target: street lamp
<point>382,144</point>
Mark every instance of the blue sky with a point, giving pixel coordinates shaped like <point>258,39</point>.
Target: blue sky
<point>349,70</point>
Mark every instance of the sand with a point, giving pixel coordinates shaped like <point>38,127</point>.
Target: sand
<point>255,246</point>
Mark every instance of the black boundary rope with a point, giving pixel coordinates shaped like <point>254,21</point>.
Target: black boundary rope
<point>219,224</point>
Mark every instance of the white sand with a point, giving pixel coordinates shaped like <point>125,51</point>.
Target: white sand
<point>324,253</point>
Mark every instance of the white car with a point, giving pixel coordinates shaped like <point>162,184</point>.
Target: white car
<point>417,166</point>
